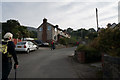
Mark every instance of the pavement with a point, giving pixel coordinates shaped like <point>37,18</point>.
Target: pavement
<point>57,63</point>
<point>88,71</point>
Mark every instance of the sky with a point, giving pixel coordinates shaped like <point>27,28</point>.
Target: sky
<point>74,14</point>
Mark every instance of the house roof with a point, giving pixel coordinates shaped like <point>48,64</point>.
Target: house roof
<point>56,26</point>
<point>45,21</point>
<point>40,26</point>
<point>59,29</point>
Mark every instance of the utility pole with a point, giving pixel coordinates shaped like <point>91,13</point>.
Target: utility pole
<point>97,18</point>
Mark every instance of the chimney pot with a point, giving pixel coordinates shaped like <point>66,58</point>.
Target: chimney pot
<point>44,20</point>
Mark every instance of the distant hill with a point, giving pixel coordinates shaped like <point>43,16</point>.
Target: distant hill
<point>31,28</point>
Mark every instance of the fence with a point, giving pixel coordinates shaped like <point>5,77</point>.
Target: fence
<point>16,41</point>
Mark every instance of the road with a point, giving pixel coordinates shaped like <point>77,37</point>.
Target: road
<point>45,63</point>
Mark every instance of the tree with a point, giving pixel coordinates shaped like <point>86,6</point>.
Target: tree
<point>15,28</point>
<point>62,41</point>
<point>91,30</point>
<point>23,32</point>
<point>33,34</point>
<point>109,25</point>
<point>109,41</point>
<point>92,33</point>
<point>69,30</point>
<point>10,26</point>
<point>83,34</point>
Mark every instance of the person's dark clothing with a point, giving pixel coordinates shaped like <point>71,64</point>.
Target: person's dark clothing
<point>52,45</point>
<point>6,68</point>
<point>77,43</point>
<point>6,59</point>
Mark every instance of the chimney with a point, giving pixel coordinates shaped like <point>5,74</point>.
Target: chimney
<point>56,26</point>
<point>44,20</point>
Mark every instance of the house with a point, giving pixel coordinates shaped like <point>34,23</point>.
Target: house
<point>47,32</point>
<point>113,25</point>
<point>109,25</point>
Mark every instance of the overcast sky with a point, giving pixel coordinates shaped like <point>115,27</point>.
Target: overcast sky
<point>66,14</point>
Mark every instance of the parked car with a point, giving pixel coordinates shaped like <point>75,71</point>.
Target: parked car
<point>39,43</point>
<point>33,42</point>
<point>45,44</point>
<point>26,46</point>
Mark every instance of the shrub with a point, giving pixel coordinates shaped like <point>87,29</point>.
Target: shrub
<point>87,49</point>
<point>109,41</point>
<point>62,41</point>
<point>81,47</point>
<point>91,54</point>
<point>67,41</point>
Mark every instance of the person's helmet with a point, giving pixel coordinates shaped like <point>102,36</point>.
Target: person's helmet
<point>8,35</point>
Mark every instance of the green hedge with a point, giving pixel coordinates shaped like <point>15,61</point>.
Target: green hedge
<point>91,54</point>
<point>67,41</point>
<point>108,41</point>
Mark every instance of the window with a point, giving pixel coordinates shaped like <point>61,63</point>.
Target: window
<point>21,43</point>
<point>56,29</point>
<point>40,29</point>
<point>49,28</point>
<point>30,43</point>
<point>55,38</point>
<point>60,32</point>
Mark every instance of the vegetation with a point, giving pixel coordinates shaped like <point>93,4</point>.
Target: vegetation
<point>91,54</point>
<point>80,36</point>
<point>67,41</point>
<point>62,41</point>
<point>83,34</point>
<point>16,29</point>
<point>108,41</point>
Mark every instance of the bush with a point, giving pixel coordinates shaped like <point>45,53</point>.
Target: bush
<point>87,49</point>
<point>109,41</point>
<point>67,41</point>
<point>62,41</point>
<point>91,54</point>
<point>81,48</point>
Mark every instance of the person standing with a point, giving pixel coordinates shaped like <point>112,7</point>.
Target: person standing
<point>6,58</point>
<point>52,45</point>
<point>77,43</point>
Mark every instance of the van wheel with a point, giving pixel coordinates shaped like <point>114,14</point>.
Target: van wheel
<point>28,51</point>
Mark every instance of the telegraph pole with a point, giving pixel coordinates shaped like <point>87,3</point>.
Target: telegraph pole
<point>97,18</point>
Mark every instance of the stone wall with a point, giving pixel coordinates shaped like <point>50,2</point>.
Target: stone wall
<point>49,34</point>
<point>39,35</point>
<point>111,67</point>
<point>53,33</point>
<point>80,56</point>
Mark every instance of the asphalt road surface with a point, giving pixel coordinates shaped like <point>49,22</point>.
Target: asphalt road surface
<point>45,63</point>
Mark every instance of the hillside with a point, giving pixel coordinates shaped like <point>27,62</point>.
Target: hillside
<point>31,28</point>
